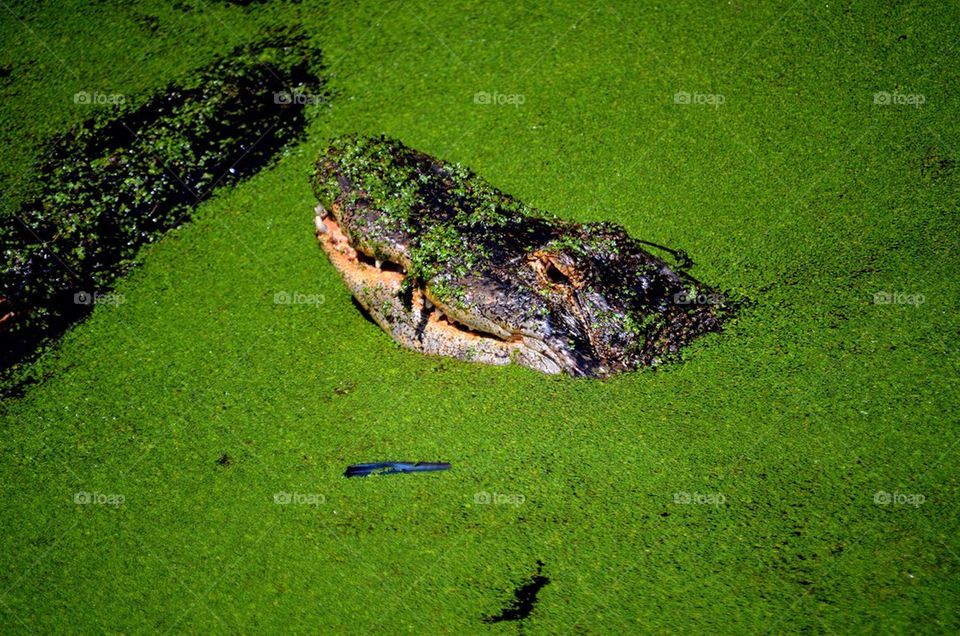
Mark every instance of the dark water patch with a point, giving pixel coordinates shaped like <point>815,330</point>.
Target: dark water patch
<point>149,23</point>
<point>525,597</point>
<point>344,388</point>
<point>248,3</point>
<point>936,165</point>
<point>126,175</point>
<point>199,5</point>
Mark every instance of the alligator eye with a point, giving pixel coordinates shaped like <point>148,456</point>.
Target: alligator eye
<point>554,275</point>
<point>553,270</point>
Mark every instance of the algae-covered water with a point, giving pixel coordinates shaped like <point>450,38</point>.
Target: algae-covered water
<point>176,466</point>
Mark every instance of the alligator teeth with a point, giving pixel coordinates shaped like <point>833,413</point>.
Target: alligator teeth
<point>320,225</point>
<point>320,210</point>
<point>378,263</point>
<point>427,304</point>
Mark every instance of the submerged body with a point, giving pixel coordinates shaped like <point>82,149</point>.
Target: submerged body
<point>448,265</point>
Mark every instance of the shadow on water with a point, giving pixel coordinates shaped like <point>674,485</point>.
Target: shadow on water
<point>525,597</point>
<point>127,174</point>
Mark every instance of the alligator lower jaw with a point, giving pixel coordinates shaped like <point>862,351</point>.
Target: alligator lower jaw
<point>422,324</point>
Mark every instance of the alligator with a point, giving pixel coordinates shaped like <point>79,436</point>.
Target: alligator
<point>449,265</point>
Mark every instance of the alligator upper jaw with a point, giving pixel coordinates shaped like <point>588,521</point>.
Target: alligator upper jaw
<point>359,270</point>
<point>421,322</point>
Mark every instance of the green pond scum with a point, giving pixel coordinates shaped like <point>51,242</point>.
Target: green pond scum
<point>174,462</point>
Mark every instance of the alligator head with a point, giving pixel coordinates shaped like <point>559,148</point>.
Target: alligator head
<point>449,265</point>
